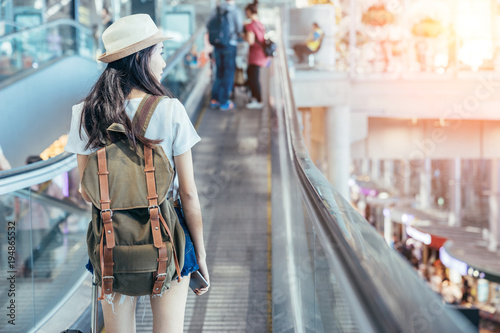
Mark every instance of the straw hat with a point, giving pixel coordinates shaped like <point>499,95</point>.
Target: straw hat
<point>128,35</point>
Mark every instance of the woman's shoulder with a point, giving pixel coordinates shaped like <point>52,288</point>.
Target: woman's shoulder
<point>250,25</point>
<point>169,109</point>
<point>77,108</point>
<point>170,105</point>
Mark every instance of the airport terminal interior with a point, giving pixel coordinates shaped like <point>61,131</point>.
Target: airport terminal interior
<point>361,195</point>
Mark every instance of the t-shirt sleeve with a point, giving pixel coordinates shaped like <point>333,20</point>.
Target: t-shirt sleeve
<point>184,133</point>
<point>259,35</point>
<point>1,151</point>
<point>76,144</point>
<point>238,20</point>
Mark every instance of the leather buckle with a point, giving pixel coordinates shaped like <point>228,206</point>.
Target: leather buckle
<point>154,206</point>
<point>161,274</point>
<point>106,210</point>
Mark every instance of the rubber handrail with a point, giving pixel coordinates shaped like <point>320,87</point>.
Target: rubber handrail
<point>35,166</point>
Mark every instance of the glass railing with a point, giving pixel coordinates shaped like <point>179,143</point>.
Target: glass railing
<point>28,50</point>
<point>43,240</point>
<point>332,271</point>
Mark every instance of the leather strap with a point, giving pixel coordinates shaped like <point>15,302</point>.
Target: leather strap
<point>154,209</point>
<point>106,259</point>
<point>141,122</point>
<point>105,252</point>
<point>144,113</point>
<point>155,215</point>
<point>160,274</point>
<point>106,213</point>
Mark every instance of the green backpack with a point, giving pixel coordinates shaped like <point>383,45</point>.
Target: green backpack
<point>134,237</point>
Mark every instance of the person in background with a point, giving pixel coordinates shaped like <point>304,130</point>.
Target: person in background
<point>4,163</point>
<point>106,18</point>
<point>106,21</point>
<point>225,58</point>
<point>311,45</point>
<point>254,35</point>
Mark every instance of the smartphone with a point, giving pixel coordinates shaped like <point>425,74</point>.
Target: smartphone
<point>197,281</point>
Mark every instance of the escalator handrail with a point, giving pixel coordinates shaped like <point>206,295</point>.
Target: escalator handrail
<point>28,175</point>
<point>15,25</point>
<point>34,166</point>
<point>36,173</point>
<point>45,26</point>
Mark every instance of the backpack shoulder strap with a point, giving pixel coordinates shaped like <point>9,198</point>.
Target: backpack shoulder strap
<point>144,113</point>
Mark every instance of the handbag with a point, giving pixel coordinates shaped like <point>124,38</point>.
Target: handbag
<point>269,47</point>
<point>239,77</point>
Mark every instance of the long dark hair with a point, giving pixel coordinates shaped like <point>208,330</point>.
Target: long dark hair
<point>105,104</point>
<point>252,7</point>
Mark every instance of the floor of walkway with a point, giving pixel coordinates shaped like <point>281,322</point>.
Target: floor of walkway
<point>232,176</point>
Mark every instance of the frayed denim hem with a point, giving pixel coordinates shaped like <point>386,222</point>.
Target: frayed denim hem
<point>186,272</point>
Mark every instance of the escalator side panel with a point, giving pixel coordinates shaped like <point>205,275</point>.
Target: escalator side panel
<point>36,110</point>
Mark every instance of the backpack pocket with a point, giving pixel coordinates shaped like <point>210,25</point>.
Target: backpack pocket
<point>134,268</point>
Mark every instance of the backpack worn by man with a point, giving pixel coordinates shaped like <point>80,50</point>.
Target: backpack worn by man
<point>219,30</point>
<point>135,242</point>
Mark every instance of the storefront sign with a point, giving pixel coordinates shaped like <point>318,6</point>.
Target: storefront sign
<point>418,235</point>
<point>452,263</point>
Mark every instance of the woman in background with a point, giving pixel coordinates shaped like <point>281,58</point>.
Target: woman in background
<point>254,35</point>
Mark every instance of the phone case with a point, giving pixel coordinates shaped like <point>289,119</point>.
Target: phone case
<point>197,281</point>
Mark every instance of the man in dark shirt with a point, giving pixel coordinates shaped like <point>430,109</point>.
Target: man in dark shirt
<point>225,58</point>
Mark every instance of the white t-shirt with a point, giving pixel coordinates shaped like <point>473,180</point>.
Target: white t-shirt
<point>169,122</point>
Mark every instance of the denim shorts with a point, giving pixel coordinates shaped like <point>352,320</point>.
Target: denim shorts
<point>190,262</point>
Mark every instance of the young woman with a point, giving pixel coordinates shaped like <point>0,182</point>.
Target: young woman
<point>135,64</point>
<point>254,35</point>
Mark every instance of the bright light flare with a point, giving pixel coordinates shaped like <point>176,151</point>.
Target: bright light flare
<point>474,32</point>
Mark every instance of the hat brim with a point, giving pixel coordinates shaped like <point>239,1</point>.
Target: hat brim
<point>126,51</point>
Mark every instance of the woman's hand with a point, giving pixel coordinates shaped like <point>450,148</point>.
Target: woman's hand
<point>204,271</point>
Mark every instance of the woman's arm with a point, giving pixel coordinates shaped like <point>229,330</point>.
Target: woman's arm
<point>250,37</point>
<point>82,161</point>
<point>192,209</point>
